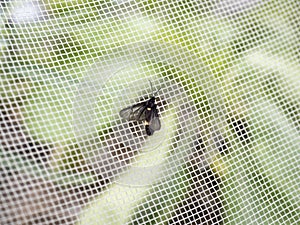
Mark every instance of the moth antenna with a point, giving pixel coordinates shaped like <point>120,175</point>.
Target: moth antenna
<point>152,88</point>
<point>157,91</point>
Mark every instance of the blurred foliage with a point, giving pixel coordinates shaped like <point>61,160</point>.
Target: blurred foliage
<point>250,63</point>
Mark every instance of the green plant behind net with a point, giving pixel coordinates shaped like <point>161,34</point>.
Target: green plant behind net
<point>77,79</point>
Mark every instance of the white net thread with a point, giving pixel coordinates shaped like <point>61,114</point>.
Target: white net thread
<point>83,142</point>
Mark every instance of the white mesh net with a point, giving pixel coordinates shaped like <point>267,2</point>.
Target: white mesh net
<point>84,142</point>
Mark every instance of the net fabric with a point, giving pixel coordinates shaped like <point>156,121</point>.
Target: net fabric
<point>225,75</point>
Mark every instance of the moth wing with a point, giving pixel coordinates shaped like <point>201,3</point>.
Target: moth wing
<point>135,112</point>
<point>126,113</point>
<point>154,122</point>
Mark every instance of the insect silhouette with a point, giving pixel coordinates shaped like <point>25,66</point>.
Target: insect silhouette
<point>145,111</point>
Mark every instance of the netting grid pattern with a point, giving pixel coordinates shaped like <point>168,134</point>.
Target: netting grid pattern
<point>82,140</point>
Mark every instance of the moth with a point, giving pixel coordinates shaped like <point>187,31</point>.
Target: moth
<point>146,112</point>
